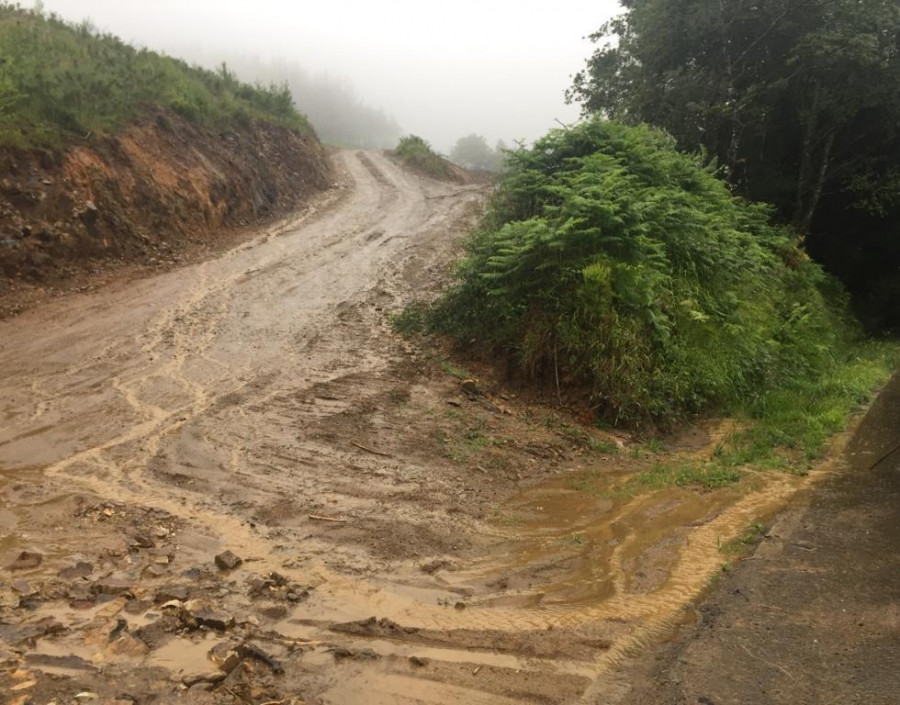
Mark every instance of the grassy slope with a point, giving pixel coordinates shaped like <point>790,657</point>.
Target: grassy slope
<point>58,80</point>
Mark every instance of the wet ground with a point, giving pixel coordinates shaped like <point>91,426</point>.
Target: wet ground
<point>403,536</point>
<point>814,618</point>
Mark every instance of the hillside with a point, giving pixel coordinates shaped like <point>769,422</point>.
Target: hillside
<point>114,153</point>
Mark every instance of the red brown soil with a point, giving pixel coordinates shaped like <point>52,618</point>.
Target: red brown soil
<point>150,196</point>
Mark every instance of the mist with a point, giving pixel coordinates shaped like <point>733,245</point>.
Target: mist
<point>498,69</point>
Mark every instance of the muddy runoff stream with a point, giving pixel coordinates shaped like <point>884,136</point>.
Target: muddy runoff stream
<point>233,483</point>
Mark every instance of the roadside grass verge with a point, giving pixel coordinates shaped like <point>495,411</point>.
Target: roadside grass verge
<point>786,428</point>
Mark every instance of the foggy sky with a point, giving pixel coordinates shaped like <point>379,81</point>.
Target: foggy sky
<point>443,69</point>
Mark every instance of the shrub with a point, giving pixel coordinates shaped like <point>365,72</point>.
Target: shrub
<point>616,262</point>
<point>417,153</point>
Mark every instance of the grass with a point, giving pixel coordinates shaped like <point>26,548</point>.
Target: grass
<point>416,153</point>
<point>60,80</point>
<point>744,543</point>
<point>706,475</point>
<point>579,436</point>
<point>794,422</point>
<point>454,371</point>
<point>787,428</point>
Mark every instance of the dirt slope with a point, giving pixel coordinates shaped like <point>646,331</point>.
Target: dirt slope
<point>407,535</point>
<point>143,196</point>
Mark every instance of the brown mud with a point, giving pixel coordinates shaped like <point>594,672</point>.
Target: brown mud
<point>148,197</point>
<point>406,536</point>
<point>814,618</point>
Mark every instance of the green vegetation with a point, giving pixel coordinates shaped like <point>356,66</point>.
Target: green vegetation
<point>616,263</point>
<point>784,428</point>
<point>58,79</point>
<point>418,155</point>
<point>746,542</point>
<point>798,101</point>
<point>709,476</point>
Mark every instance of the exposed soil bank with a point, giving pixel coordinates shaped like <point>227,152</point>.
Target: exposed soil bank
<point>814,617</point>
<point>143,195</point>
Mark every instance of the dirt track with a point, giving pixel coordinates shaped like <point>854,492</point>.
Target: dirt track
<point>259,403</point>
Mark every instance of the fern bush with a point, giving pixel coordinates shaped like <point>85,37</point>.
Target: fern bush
<point>611,259</point>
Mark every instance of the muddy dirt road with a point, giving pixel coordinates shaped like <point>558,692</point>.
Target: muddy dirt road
<point>402,540</point>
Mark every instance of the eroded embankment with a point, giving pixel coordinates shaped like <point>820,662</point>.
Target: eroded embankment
<point>143,194</point>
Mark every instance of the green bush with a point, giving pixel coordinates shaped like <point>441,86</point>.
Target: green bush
<point>417,153</point>
<point>58,79</point>
<point>621,265</point>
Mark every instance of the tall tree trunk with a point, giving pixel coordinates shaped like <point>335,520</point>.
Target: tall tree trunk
<point>821,177</point>
<point>807,156</point>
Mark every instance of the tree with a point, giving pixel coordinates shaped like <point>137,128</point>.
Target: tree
<point>473,152</point>
<point>798,100</point>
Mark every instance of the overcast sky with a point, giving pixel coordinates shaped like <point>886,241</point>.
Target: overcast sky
<point>495,67</point>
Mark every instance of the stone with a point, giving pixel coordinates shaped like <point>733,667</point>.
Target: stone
<point>127,645</point>
<point>470,387</point>
<point>155,571</point>
<point>22,587</point>
<point>231,661</point>
<point>26,560</point>
<point>142,541</point>
<point>82,569</point>
<point>228,561</point>
<point>167,593</point>
<point>275,612</point>
<point>205,615</point>
<point>112,586</point>
<point>212,677</point>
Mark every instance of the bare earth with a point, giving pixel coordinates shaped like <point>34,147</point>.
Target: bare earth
<point>406,538</point>
<point>814,618</point>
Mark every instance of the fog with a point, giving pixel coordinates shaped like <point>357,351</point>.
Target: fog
<point>442,70</point>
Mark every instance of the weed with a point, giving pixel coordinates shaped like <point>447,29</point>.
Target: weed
<point>454,371</point>
<point>709,476</point>
<point>586,482</point>
<point>410,320</point>
<point>742,544</point>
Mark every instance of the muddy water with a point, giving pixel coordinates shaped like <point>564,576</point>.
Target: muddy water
<point>258,402</point>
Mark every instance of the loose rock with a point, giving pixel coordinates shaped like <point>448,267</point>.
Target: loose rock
<point>202,614</point>
<point>26,560</point>
<point>82,569</point>
<point>167,593</point>
<point>228,561</point>
<point>112,586</point>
